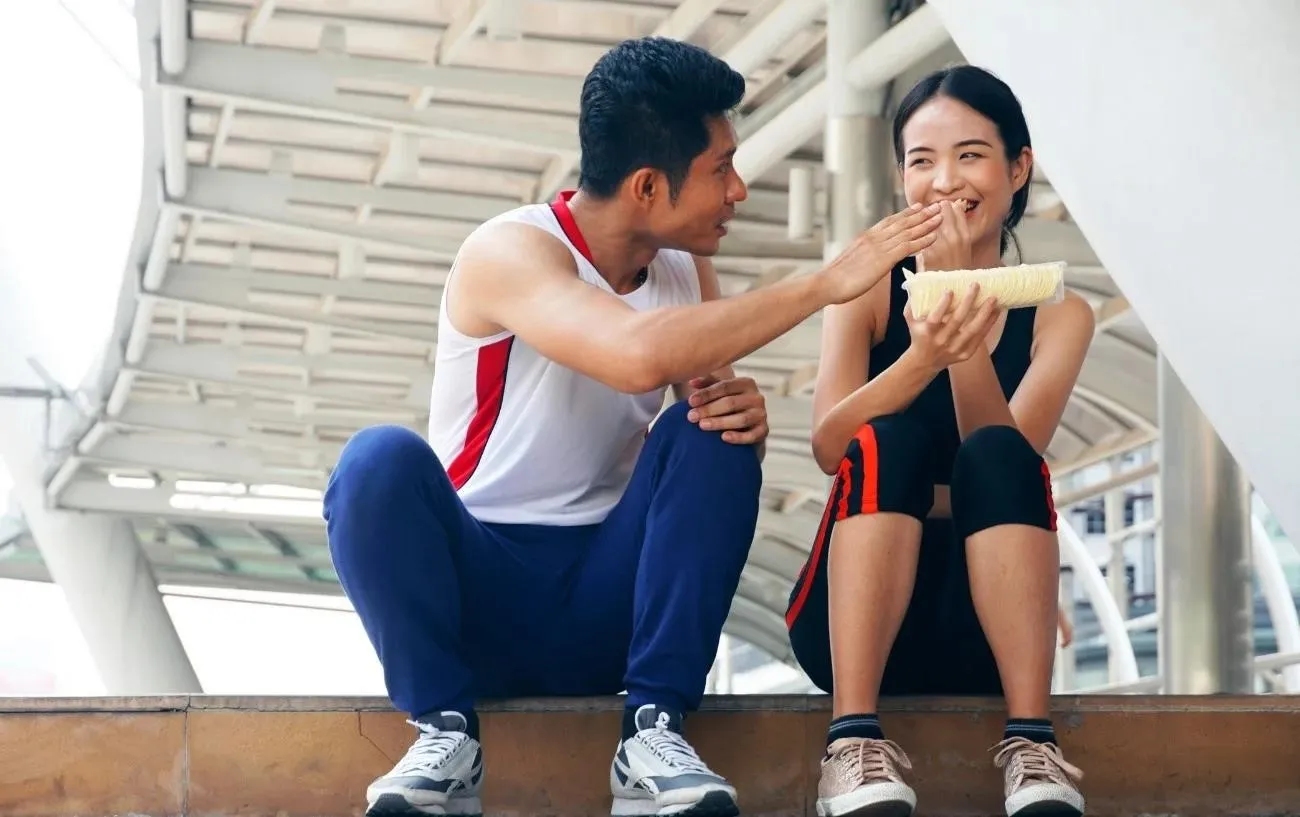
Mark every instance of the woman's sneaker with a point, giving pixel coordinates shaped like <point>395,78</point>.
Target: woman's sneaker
<point>442,773</point>
<point>861,777</point>
<point>656,772</point>
<point>1038,780</point>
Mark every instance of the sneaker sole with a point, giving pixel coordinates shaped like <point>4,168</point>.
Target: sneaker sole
<point>395,805</point>
<point>713,804</point>
<point>1049,809</point>
<point>884,808</point>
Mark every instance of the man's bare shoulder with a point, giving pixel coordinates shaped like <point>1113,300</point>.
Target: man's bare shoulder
<point>502,266</point>
<point>505,249</point>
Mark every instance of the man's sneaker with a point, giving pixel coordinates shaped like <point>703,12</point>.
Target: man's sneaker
<point>442,773</point>
<point>1038,780</point>
<point>657,772</point>
<point>860,777</point>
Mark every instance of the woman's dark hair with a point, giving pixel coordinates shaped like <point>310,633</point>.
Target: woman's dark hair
<point>646,103</point>
<point>990,97</point>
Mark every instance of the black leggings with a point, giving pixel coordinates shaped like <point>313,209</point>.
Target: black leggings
<point>997,479</point>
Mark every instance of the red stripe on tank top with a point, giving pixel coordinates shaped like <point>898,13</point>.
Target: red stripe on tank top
<point>489,393</point>
<point>560,206</point>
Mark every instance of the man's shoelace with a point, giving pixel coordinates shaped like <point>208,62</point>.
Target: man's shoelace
<point>866,760</point>
<point>673,749</point>
<point>1028,762</point>
<point>430,751</point>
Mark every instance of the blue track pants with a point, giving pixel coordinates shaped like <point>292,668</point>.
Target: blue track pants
<point>458,609</point>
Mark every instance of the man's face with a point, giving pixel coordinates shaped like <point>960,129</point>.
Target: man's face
<point>696,221</point>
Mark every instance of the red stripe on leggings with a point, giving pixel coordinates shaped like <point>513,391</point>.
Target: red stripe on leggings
<point>819,545</point>
<point>1051,500</point>
<point>866,438</point>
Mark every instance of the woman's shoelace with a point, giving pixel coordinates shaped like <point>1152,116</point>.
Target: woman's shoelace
<point>1035,762</point>
<point>431,750</point>
<point>866,760</point>
<point>673,749</point>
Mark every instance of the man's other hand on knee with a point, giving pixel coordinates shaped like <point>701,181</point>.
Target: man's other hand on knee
<point>734,407</point>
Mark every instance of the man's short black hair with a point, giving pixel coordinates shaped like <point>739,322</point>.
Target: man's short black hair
<point>646,103</point>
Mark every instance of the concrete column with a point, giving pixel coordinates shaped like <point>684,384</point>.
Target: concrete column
<point>103,573</point>
<point>1204,562</point>
<point>855,134</point>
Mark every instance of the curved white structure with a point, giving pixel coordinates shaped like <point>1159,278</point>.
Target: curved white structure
<point>1167,126</point>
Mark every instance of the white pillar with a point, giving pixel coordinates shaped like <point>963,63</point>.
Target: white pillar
<point>855,134</point>
<point>1204,574</point>
<point>103,573</point>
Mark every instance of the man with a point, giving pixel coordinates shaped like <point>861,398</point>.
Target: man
<point>542,542</point>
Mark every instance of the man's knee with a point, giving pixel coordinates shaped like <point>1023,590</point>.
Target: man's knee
<point>379,460</point>
<point>886,468</point>
<point>677,430</point>
<point>998,478</point>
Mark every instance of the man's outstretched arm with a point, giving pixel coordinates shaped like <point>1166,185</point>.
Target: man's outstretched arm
<point>522,279</point>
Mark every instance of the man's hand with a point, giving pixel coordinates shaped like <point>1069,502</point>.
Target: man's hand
<point>735,407</point>
<point>870,257</point>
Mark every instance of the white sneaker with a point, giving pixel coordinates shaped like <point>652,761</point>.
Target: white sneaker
<point>442,773</point>
<point>656,772</point>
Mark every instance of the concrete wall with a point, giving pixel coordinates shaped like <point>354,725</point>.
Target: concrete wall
<point>1169,127</point>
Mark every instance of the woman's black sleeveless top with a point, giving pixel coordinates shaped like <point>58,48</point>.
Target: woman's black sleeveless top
<point>933,408</point>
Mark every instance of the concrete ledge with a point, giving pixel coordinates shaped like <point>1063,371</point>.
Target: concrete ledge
<point>213,756</point>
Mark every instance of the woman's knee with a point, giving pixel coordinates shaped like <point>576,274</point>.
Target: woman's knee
<point>998,479</point>
<point>886,468</point>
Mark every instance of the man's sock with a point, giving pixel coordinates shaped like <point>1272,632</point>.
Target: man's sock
<point>855,726</point>
<point>1039,730</point>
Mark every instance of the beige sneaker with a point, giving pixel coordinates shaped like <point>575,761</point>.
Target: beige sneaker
<point>1038,779</point>
<point>860,777</point>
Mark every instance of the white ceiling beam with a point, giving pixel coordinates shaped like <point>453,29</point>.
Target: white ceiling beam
<point>400,398</point>
<point>258,18</point>
<point>269,200</point>
<point>207,462</point>
<point>503,22</point>
<point>304,84</point>
<point>469,19</point>
<point>687,18</point>
<point>797,528</point>
<point>793,472</point>
<point>274,193</point>
<point>224,421</point>
<point>94,494</point>
<point>760,625</point>
<point>765,30</point>
<point>894,52</point>
<point>237,291</point>
<point>1044,240</point>
<point>368,290</point>
<point>215,362</point>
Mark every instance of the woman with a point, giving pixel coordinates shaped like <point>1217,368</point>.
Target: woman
<point>937,548</point>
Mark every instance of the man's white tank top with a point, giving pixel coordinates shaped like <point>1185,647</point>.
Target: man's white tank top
<point>526,440</point>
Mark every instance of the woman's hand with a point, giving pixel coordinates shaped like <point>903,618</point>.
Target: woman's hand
<point>946,336</point>
<point>951,249</point>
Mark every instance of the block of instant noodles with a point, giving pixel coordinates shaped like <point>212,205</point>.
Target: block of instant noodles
<point>1022,285</point>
